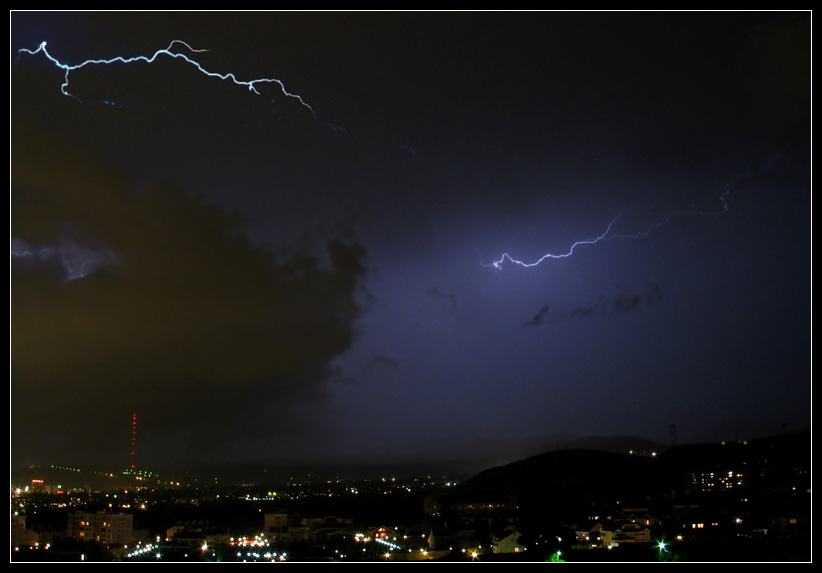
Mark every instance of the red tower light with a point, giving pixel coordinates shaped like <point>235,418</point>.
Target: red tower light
<point>133,439</point>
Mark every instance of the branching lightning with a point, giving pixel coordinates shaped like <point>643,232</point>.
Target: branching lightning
<point>250,84</point>
<point>76,261</point>
<point>608,235</point>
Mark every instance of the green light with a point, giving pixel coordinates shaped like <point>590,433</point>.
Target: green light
<point>556,557</point>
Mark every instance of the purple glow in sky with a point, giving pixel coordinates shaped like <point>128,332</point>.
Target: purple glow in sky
<point>262,286</point>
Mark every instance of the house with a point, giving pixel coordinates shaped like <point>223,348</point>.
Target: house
<point>507,541</point>
<point>440,539</point>
<point>588,534</point>
<point>623,532</point>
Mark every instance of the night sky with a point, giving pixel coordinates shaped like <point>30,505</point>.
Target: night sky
<point>271,277</point>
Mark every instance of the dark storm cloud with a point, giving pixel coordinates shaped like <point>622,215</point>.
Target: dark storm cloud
<point>186,320</point>
<point>604,306</point>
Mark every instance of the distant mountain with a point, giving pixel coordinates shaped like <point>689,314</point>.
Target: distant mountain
<point>454,458</point>
<point>55,478</point>
<point>457,459</point>
<point>582,459</point>
<point>568,474</point>
<point>481,453</point>
<point>743,428</point>
<point>553,478</point>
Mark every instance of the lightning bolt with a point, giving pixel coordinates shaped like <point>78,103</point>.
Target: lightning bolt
<point>607,235</point>
<point>251,85</point>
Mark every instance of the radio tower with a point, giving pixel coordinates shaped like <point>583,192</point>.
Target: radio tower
<point>133,466</point>
<point>673,434</point>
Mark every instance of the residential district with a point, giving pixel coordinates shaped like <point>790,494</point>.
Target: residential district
<point>740,501</point>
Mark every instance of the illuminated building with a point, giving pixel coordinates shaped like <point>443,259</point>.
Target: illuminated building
<point>109,529</point>
<point>718,480</point>
<point>507,541</point>
<point>275,524</point>
<point>626,532</point>
<point>20,536</point>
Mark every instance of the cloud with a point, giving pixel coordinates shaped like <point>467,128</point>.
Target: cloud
<point>604,306</point>
<point>538,317</point>
<point>184,321</point>
<point>387,361</point>
<point>439,295</point>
